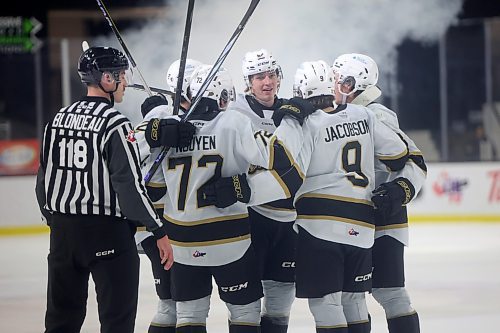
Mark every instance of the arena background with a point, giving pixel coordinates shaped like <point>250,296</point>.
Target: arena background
<point>440,69</point>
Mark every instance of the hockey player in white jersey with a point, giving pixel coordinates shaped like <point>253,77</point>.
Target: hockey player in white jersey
<point>156,106</point>
<point>205,206</point>
<point>271,223</point>
<point>394,190</point>
<point>335,216</point>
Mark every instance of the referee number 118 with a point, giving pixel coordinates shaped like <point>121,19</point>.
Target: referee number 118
<point>72,153</point>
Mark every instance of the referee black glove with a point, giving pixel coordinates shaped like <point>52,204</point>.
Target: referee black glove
<point>169,132</point>
<point>296,107</point>
<point>391,196</point>
<point>226,191</point>
<point>46,216</point>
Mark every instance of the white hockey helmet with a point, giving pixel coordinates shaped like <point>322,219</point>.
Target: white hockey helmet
<point>313,78</point>
<point>360,67</point>
<point>173,74</point>
<point>221,89</point>
<point>259,61</point>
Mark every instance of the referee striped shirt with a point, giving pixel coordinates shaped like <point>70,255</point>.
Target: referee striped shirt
<point>89,165</point>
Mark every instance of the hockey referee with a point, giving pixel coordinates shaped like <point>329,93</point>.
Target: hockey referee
<point>90,190</point>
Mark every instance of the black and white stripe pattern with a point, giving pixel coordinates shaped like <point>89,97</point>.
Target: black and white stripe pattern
<point>90,167</point>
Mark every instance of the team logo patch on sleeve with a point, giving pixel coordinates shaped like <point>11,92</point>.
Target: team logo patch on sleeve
<point>353,232</point>
<point>198,254</point>
<point>131,136</point>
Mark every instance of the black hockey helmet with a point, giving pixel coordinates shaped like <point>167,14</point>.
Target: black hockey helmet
<point>96,60</point>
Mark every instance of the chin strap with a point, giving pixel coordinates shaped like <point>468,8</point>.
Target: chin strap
<point>111,93</point>
<point>112,99</point>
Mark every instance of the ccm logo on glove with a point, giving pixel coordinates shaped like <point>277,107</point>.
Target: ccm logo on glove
<point>407,189</point>
<point>291,108</point>
<point>237,187</point>
<point>154,129</point>
<point>169,132</point>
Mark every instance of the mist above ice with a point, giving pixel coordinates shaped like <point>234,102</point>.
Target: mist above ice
<point>292,31</point>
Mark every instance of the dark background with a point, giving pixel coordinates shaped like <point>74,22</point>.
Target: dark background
<point>470,9</point>
<point>418,73</point>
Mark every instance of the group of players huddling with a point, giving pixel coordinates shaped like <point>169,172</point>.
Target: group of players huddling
<point>270,198</point>
<point>276,199</point>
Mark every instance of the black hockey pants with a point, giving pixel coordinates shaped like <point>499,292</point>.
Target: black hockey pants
<point>97,245</point>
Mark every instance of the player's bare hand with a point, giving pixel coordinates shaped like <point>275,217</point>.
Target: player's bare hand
<point>166,252</point>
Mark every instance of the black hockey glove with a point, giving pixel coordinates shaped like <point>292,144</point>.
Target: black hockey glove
<point>169,132</point>
<point>226,191</point>
<point>151,102</point>
<point>391,196</point>
<point>296,107</point>
<point>46,216</point>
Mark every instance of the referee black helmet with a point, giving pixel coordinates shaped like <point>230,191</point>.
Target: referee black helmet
<point>97,60</point>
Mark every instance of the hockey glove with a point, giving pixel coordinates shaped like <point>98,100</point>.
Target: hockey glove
<point>296,107</point>
<point>391,196</point>
<point>226,191</point>
<point>151,102</point>
<point>46,216</point>
<point>169,132</point>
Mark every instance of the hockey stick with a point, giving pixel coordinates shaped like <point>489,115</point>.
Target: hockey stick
<point>220,60</point>
<point>153,89</point>
<point>182,64</point>
<point>122,43</point>
<point>204,86</point>
<point>184,50</point>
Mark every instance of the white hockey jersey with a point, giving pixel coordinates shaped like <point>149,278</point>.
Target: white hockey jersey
<point>415,171</point>
<point>147,159</point>
<point>224,145</point>
<point>334,202</point>
<point>260,117</point>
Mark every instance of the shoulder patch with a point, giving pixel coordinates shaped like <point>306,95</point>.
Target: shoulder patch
<point>131,136</point>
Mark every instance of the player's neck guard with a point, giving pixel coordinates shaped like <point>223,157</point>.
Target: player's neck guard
<point>367,96</point>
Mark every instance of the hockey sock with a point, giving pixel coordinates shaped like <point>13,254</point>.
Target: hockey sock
<point>364,327</point>
<point>161,329</point>
<point>268,325</point>
<point>243,328</point>
<point>191,329</point>
<point>331,330</point>
<point>404,324</point>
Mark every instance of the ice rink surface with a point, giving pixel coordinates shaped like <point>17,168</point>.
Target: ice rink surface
<point>452,275</point>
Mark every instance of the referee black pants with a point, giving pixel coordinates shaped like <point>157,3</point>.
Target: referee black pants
<point>97,245</point>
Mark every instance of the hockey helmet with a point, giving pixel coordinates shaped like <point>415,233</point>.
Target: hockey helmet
<point>220,89</point>
<point>97,60</point>
<point>360,68</point>
<point>173,75</point>
<point>259,61</point>
<point>313,78</point>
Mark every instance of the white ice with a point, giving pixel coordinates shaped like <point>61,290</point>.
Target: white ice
<point>452,275</point>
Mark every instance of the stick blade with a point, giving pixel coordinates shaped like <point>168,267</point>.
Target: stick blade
<point>85,45</point>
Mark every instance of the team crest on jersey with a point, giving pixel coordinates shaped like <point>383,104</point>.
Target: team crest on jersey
<point>254,168</point>
<point>131,136</point>
<point>198,254</point>
<point>353,232</point>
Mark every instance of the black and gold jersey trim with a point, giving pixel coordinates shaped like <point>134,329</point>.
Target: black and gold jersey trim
<point>215,230</point>
<point>284,168</point>
<point>396,162</point>
<point>156,191</point>
<point>418,159</point>
<point>325,207</point>
<point>209,243</point>
<point>392,226</point>
<point>282,204</point>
